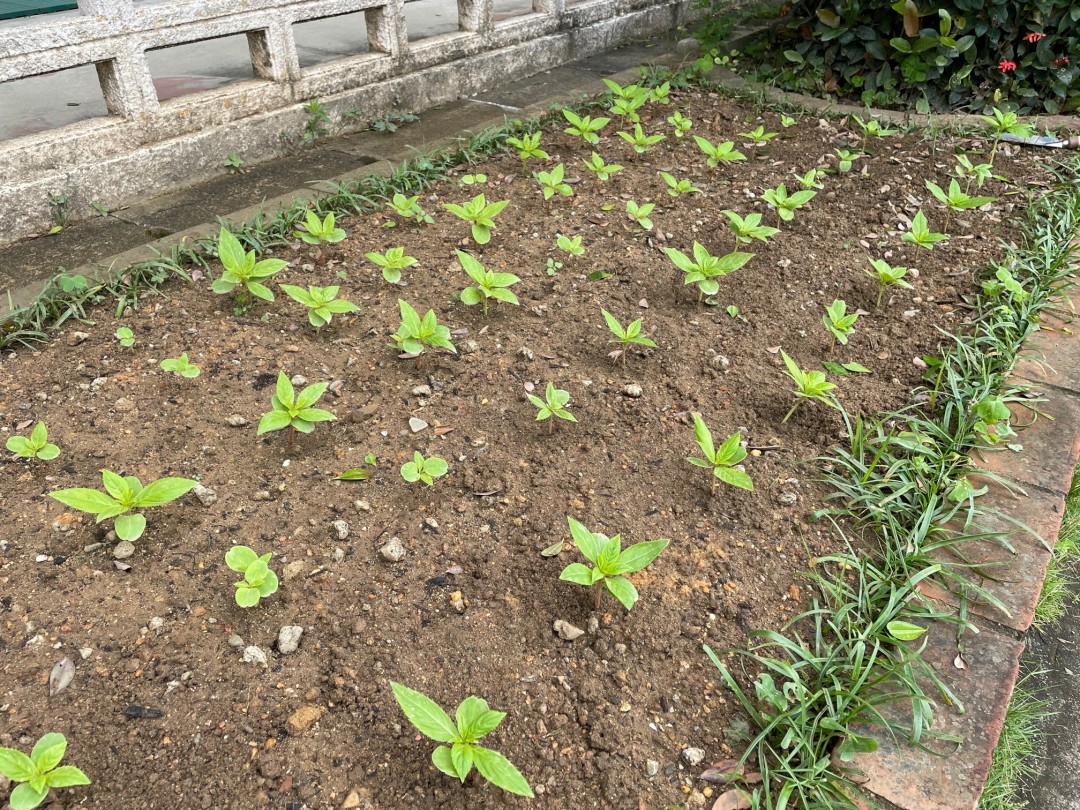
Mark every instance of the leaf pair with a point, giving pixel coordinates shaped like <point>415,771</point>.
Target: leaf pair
<point>293,410</point>
<point>241,269</point>
<point>37,446</point>
<point>720,460</point>
<point>488,283</point>
<point>610,562</point>
<point>39,772</point>
<point>481,214</point>
<point>322,303</point>
<point>416,334</point>
<point>258,582</point>
<point>122,495</point>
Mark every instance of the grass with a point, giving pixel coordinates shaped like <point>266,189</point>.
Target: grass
<point>1057,588</point>
<point>1016,756</point>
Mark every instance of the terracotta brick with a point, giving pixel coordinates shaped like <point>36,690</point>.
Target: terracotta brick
<point>1051,358</point>
<point>915,780</point>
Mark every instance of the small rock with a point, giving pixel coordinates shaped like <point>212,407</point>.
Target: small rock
<point>352,801</point>
<point>292,570</point>
<point>85,652</point>
<point>393,551</point>
<point>75,338</point>
<point>123,550</point>
<point>341,529</point>
<point>421,391</point>
<point>364,413</point>
<point>567,631</point>
<point>254,655</point>
<point>235,641</point>
<point>720,362</point>
<point>206,496</point>
<point>298,379</point>
<point>693,756</point>
<point>303,718</point>
<point>594,624</point>
<point>469,347</point>
<point>155,623</point>
<point>526,352</point>
<point>236,420</point>
<point>416,425</point>
<point>261,495</point>
<point>288,639</point>
<point>124,405</point>
<point>121,566</point>
<point>362,506</point>
<point>652,767</point>
<point>92,547</point>
<point>632,390</point>
<point>457,601</point>
<point>431,524</point>
<point>787,498</point>
<point>339,554</point>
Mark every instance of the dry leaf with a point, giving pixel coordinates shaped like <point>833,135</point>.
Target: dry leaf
<point>911,18</point>
<point>62,674</point>
<point>442,430</point>
<point>959,662</point>
<point>732,800</point>
<point>773,350</point>
<point>552,550</point>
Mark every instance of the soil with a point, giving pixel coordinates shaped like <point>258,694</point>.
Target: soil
<point>601,721</point>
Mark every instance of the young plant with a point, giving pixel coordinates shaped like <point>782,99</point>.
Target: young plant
<point>474,720</point>
<point>872,128</point>
<point>258,582</point>
<point>571,245</point>
<point>585,127</point>
<point>1001,123</point>
<point>488,284</point>
<point>317,231</point>
<point>553,266</point>
<point>553,404</point>
<point>322,303</point>
<point>480,213</point>
<point>180,365</point>
<point>839,323</point>
<point>955,199</point>
<point>611,563</point>
<point>242,271</point>
<point>886,276</point>
<point>661,94</point>
<point>37,773</point>
<point>721,461</point>
<point>292,410</point>
<point>641,142</point>
<point>409,208</point>
<point>678,187</point>
<point>808,385</point>
<point>423,469</point>
<point>639,214</point>
<point>125,337</point>
<point>973,173</point>
<point>787,121</point>
<point>920,233</point>
<point>720,153</point>
<point>37,446</point>
<point>528,148</point>
<point>680,123</point>
<point>602,170</point>
<point>810,179</point>
<point>750,227</point>
<point>122,495</point>
<point>627,100</point>
<point>233,164</point>
<point>416,334</point>
<point>704,269</point>
<point>552,183</point>
<point>631,335</point>
<point>787,204</point>
<point>844,158</point>
<point>392,263</point>
<point>758,136</point>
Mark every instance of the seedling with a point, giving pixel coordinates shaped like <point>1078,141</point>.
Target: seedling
<point>423,469</point>
<point>810,179</point>
<point>661,94</point>
<point>758,136</point>
<point>37,446</point>
<point>474,720</point>
<point>359,473</point>
<point>625,337</point>
<point>787,121</point>
<point>720,153</point>
<point>553,266</point>
<point>886,276</point>
<point>122,495</point>
<point>258,582</point>
<point>786,205</point>
<point>409,208</point>
<point>233,164</point>
<point>602,170</point>
<point>390,121</point>
<point>721,461</point>
<point>845,157</point>
<point>1005,122</point>
<point>992,420</point>
<point>977,173</point>
<point>872,128</point>
<point>125,337</point>
<point>551,183</point>
<point>481,214</point>
<point>750,227</point>
<point>322,303</point>
<point>641,142</point>
<point>38,773</point>
<point>528,148</point>
<point>585,127</point>
<point>639,214</point>
<point>473,179</point>
<point>416,334</point>
<point>920,233</point>
<point>180,365</point>
<point>242,271</point>
<point>317,231</point>
<point>627,100</point>
<point>290,410</point>
<point>392,263</point>
<point>839,323</point>
<point>704,269</point>
<point>808,385</point>
<point>680,123</point>
<point>955,199</point>
<point>678,187</point>
<point>488,284</point>
<point>572,246</point>
<point>553,404</point>
<point>611,562</point>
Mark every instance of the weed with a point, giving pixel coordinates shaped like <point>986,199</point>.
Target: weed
<point>233,164</point>
<point>391,120</point>
<point>181,366</point>
<point>423,469</point>
<point>125,337</point>
<point>317,124</point>
<point>680,123</point>
<point>409,208</point>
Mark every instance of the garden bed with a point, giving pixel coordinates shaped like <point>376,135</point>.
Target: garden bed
<point>470,608</point>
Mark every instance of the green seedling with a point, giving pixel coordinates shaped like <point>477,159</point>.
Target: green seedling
<point>993,420</point>
<point>242,271</point>
<point>317,231</point>
<point>872,128</point>
<point>704,269</point>
<point>473,179</point>
<point>528,148</point>
<point>720,153</point>
<point>480,214</point>
<point>474,720</point>
<point>810,179</point>
<point>920,233</point>
<point>661,94</point>
<point>955,199</point>
<point>122,495</point>
<point>886,276</point>
<point>416,334</point>
<point>125,336</point>
<point>787,204</point>
<point>572,246</point>
<point>626,101</point>
<point>390,121</point>
<point>845,158</point>
<point>585,127</point>
<point>359,473</point>
<point>973,173</point>
<point>677,188</point>
<point>639,214</point>
<point>553,404</point>
<point>180,365</point>
<point>758,136</point>
<point>602,170</point>
<point>37,446</point>
<point>641,142</point>
<point>839,323</point>
<point>552,183</point>
<point>423,469</point>
<point>750,227</point>
<point>488,284</point>
<point>680,123</point>
<point>36,774</point>
<point>322,303</point>
<point>553,266</point>
<point>233,164</point>
<point>733,311</point>
<point>292,410</point>
<point>808,385</point>
<point>611,562</point>
<point>258,582</point>
<point>392,263</point>
<point>1001,123</point>
<point>631,335</point>
<point>787,121</point>
<point>721,461</point>
<point>409,208</point>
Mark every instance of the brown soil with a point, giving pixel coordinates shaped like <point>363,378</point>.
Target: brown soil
<point>583,717</point>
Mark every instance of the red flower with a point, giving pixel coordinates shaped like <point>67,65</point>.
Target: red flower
<point>1061,61</point>
<point>1005,65</point>
<point>1033,36</point>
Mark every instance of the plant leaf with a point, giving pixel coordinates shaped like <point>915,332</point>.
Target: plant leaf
<point>130,527</point>
<point>424,713</point>
<point>163,491</point>
<point>498,770</point>
<point>86,500</point>
<point>639,555</point>
<point>623,590</point>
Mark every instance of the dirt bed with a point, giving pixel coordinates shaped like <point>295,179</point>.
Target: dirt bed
<point>601,721</point>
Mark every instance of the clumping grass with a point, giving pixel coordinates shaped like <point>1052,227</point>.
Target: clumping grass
<point>1056,591</point>
<point>1016,755</point>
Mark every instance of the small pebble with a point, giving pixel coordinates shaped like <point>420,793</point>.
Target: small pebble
<point>206,496</point>
<point>341,529</point>
<point>652,767</point>
<point>416,425</point>
<point>632,390</point>
<point>123,550</point>
<point>236,420</point>
<point>422,391</point>
<point>288,639</point>
<point>393,551</point>
<point>235,641</point>
<point>254,655</point>
<point>362,506</point>
<point>693,756</point>
<point>567,631</point>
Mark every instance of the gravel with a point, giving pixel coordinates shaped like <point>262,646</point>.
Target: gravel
<point>393,551</point>
<point>288,640</point>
